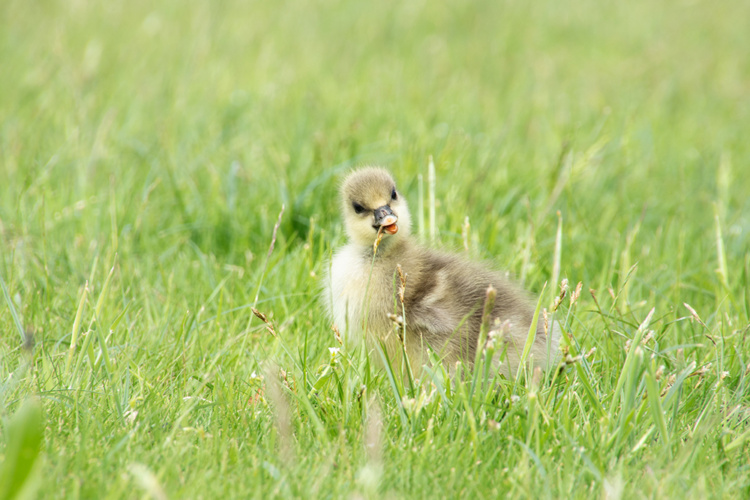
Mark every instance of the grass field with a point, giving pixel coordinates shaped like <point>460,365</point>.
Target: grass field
<point>146,151</point>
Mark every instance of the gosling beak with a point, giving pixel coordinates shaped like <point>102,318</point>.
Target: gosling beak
<point>385,217</point>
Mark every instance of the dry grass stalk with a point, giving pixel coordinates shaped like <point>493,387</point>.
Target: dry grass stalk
<point>275,230</point>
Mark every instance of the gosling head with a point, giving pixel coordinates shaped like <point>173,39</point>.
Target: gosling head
<point>369,201</point>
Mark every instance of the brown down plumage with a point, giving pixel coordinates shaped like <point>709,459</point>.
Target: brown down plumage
<point>444,293</point>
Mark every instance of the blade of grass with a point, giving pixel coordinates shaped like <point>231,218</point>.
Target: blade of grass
<point>76,328</point>
<point>654,402</point>
<point>557,258</point>
<point>629,360</point>
<point>431,194</point>
<point>13,312</point>
<point>397,394</point>
<point>24,441</point>
<point>420,204</point>
<point>530,337</point>
<point>720,252</point>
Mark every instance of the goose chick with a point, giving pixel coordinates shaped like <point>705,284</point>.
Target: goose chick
<point>444,294</point>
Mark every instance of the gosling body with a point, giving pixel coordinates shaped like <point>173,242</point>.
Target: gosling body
<point>443,296</point>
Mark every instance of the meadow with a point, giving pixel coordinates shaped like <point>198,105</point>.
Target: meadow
<point>167,167</point>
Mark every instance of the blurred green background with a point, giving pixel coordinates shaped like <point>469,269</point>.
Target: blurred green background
<point>162,138</point>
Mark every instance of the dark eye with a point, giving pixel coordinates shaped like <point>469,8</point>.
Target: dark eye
<point>394,196</point>
<point>357,207</point>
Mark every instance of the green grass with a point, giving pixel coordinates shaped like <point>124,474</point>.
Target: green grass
<point>146,152</point>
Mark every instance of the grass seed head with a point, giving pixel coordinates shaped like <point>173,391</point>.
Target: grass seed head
<point>396,319</point>
<point>576,293</point>
<point>402,280</point>
<point>563,292</point>
<point>264,319</point>
<point>649,335</point>
<point>337,334</point>
<point>378,239</point>
<point>693,312</point>
<point>496,336</point>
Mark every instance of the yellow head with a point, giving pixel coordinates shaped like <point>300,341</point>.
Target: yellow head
<point>369,200</point>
